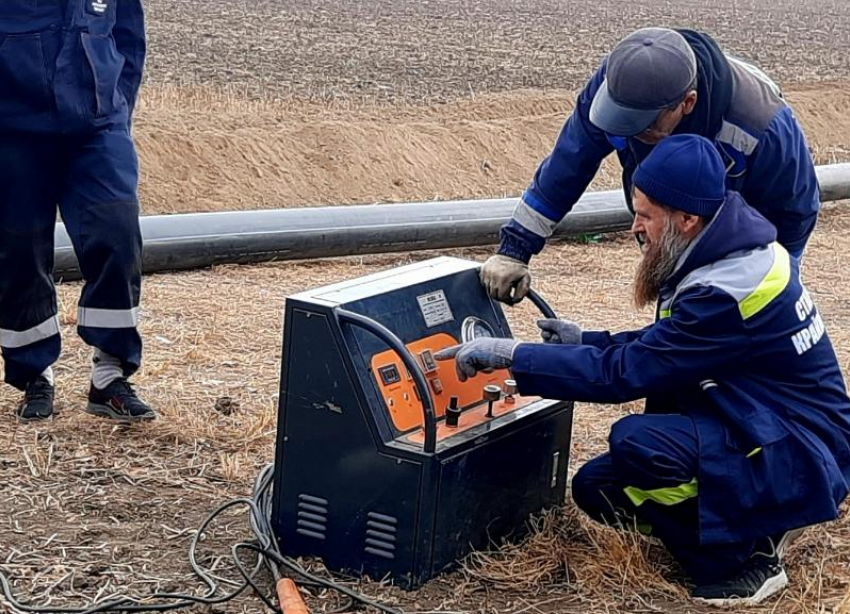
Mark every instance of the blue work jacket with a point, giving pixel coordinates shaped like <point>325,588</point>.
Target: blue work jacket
<point>69,66</point>
<point>739,346</point>
<point>738,108</point>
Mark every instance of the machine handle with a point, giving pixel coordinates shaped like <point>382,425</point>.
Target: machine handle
<point>542,305</point>
<point>388,337</point>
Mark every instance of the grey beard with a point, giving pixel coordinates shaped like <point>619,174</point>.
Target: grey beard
<point>658,264</point>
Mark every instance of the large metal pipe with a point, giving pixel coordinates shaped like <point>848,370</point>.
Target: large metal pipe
<point>194,240</point>
<point>834,181</point>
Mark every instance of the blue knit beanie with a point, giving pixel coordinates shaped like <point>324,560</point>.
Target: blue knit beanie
<point>684,172</point>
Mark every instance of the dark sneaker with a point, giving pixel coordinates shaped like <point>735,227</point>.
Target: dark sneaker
<point>37,403</point>
<point>762,577</point>
<point>118,401</point>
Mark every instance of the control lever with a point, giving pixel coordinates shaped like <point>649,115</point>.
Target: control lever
<point>491,393</point>
<point>452,413</point>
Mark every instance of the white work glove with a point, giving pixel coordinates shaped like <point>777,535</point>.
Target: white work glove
<point>501,275</point>
<point>479,355</point>
<point>559,331</point>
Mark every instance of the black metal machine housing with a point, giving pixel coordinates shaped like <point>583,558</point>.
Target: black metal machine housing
<point>369,475</point>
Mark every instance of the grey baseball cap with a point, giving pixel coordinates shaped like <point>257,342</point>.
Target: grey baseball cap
<point>648,71</point>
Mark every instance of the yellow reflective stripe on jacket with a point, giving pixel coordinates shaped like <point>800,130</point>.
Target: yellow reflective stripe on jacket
<point>771,286</point>
<point>754,452</point>
<point>665,313</point>
<point>753,279</point>
<point>669,495</point>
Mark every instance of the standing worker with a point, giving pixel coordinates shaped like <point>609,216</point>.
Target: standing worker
<point>657,82</point>
<point>70,72</point>
<point>745,438</point>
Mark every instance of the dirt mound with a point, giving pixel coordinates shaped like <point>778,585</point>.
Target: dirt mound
<point>202,150</point>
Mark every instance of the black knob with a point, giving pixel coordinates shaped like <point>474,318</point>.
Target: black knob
<point>452,413</point>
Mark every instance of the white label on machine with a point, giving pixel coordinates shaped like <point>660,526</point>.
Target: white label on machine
<point>435,308</point>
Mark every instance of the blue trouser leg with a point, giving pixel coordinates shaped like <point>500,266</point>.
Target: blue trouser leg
<point>30,172</point>
<point>100,208</point>
<point>597,492</point>
<point>646,478</point>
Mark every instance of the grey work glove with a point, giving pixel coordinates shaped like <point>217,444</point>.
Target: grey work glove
<point>479,355</point>
<point>559,331</point>
<point>506,279</point>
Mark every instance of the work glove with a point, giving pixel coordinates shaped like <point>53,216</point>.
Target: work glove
<point>502,275</point>
<point>559,331</point>
<point>479,355</point>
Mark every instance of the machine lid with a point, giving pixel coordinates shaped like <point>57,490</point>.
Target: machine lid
<point>385,281</point>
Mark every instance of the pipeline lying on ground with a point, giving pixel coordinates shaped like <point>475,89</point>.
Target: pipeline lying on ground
<point>195,240</point>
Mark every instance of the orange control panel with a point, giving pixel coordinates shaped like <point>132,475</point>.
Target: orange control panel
<point>400,394</point>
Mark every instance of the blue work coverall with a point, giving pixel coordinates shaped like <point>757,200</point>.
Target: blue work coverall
<point>746,432</point>
<point>70,72</point>
<point>738,108</point>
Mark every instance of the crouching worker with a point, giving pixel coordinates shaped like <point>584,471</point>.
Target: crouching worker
<point>746,433</point>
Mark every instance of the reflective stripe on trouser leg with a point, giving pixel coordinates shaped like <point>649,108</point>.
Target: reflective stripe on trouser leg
<point>16,339</point>
<point>92,317</point>
<point>101,213</point>
<point>29,353</point>
<point>30,170</point>
<point>666,495</point>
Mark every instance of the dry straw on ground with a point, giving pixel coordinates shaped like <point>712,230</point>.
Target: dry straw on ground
<point>89,508</point>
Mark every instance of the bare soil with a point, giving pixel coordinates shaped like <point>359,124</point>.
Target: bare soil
<point>439,50</point>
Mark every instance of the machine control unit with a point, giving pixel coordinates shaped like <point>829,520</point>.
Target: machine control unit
<point>373,475</point>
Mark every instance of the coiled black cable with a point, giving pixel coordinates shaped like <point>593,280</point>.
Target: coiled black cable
<point>268,556</point>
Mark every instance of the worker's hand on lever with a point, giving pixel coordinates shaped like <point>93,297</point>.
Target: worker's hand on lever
<point>506,279</point>
<point>559,331</point>
<point>479,355</point>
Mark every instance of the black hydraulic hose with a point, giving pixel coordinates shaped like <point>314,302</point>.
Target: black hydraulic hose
<point>388,337</point>
<point>542,305</point>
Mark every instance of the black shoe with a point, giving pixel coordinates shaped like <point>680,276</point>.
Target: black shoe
<point>118,401</point>
<point>762,577</point>
<point>37,403</point>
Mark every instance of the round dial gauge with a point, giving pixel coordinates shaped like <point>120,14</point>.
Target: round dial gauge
<point>475,328</point>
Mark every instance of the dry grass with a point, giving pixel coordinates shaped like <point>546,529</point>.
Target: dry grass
<point>89,508</point>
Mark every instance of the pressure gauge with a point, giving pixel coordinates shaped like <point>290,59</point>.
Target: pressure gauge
<point>475,328</point>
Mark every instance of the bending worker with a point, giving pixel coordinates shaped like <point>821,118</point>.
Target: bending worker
<point>658,82</point>
<point>70,72</point>
<point>746,432</point>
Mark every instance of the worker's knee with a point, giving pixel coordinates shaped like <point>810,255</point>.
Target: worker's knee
<point>628,441</point>
<point>649,451</point>
<point>589,485</point>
